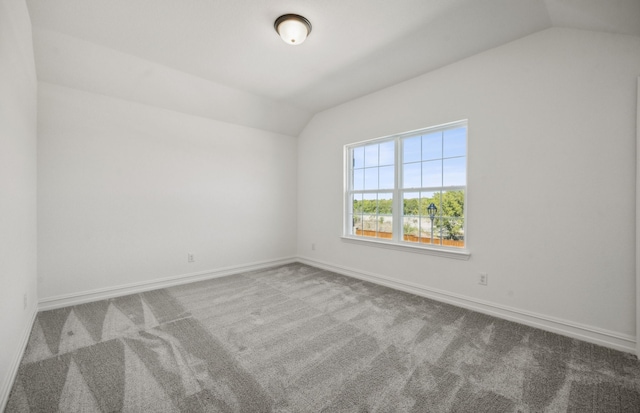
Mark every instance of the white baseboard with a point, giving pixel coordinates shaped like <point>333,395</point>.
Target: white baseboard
<point>622,342</point>
<point>617,341</point>
<point>134,288</point>
<point>12,373</point>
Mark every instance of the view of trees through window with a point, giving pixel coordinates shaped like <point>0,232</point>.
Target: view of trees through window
<point>374,218</point>
<point>426,184</point>
<point>448,222</point>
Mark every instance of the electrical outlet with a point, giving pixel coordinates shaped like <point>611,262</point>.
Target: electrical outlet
<point>483,278</point>
<point>24,301</point>
<point>313,247</point>
<point>191,257</point>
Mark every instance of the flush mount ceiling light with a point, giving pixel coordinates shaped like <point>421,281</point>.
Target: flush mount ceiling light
<point>292,28</point>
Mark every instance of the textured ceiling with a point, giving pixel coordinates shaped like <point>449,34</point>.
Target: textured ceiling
<point>356,47</point>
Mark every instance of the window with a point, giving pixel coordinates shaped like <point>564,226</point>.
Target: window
<point>409,189</point>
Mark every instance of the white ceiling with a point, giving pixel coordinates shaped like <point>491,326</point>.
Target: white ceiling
<point>356,46</point>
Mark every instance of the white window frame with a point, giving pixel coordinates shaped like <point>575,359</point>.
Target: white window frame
<point>397,242</point>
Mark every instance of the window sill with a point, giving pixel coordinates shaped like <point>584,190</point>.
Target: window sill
<point>458,254</point>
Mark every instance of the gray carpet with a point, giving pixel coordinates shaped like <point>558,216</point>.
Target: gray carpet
<point>299,339</point>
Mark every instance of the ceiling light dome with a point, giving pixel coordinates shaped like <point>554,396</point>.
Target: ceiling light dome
<point>292,28</point>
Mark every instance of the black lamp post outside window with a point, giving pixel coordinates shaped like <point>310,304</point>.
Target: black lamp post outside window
<point>432,213</point>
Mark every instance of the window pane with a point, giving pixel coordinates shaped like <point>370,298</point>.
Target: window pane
<point>411,203</point>
<point>455,172</point>
<point>358,157</point>
<point>432,146</point>
<point>371,178</point>
<point>387,153</point>
<point>411,149</point>
<point>358,179</point>
<point>432,173</point>
<point>411,175</point>
<point>371,155</point>
<point>357,204</point>
<point>430,228</point>
<point>370,205</point>
<point>356,210</point>
<point>452,230</point>
<point>386,177</point>
<point>385,204</point>
<point>411,217</point>
<point>370,214</point>
<point>451,225</point>
<point>385,216</point>
<point>428,198</point>
<point>453,204</point>
<point>455,142</point>
<point>411,229</point>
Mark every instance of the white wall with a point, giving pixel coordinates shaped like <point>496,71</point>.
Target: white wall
<point>67,61</point>
<point>17,187</point>
<point>551,201</point>
<point>126,190</point>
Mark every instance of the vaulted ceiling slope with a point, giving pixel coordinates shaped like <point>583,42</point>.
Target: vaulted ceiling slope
<point>229,47</point>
